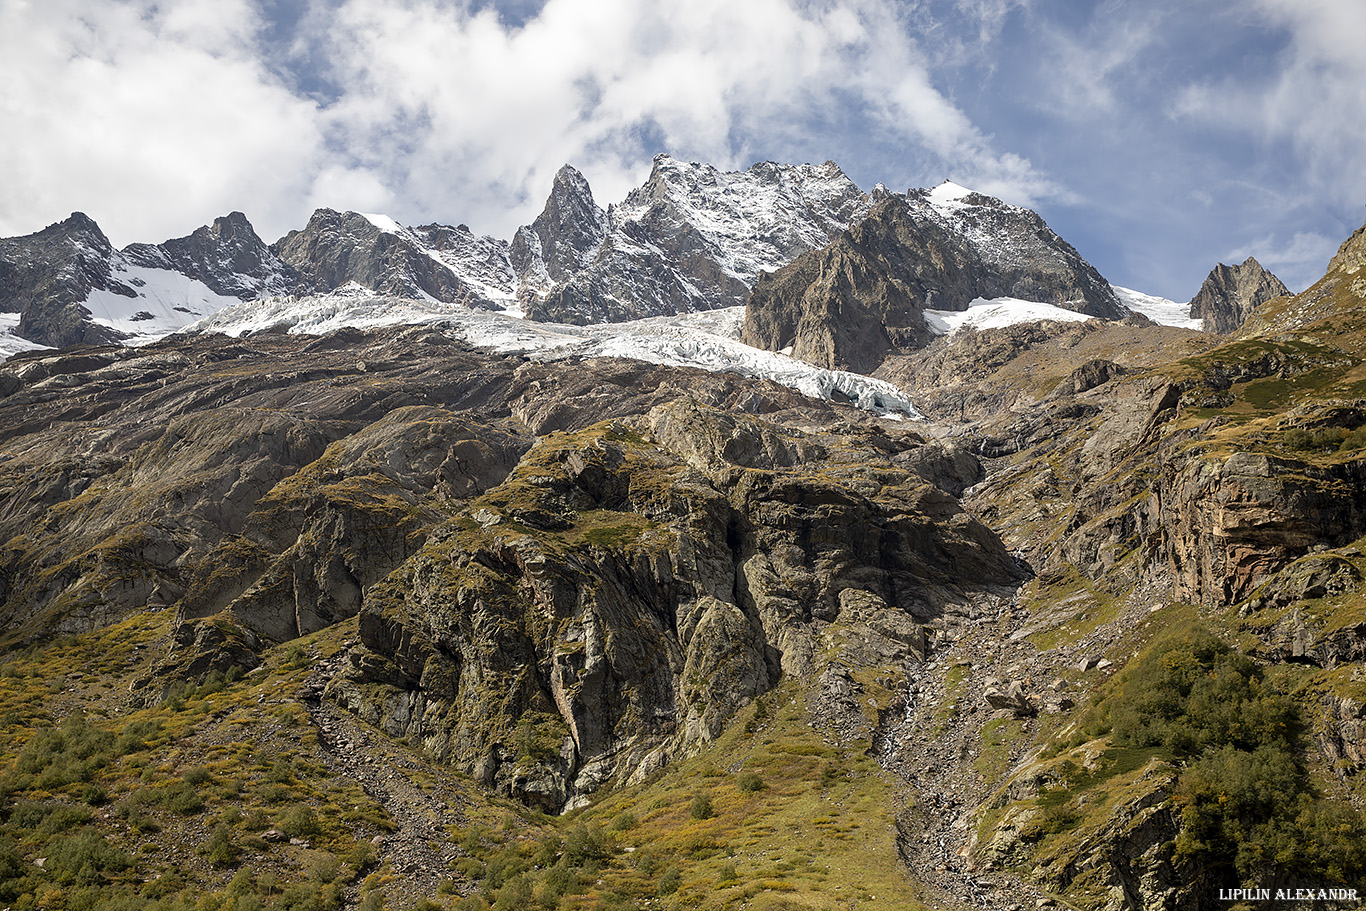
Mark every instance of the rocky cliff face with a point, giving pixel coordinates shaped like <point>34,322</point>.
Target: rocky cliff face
<point>696,238</point>
<point>46,278</point>
<point>635,583</point>
<point>1231,293</point>
<point>852,303</point>
<point>448,264</point>
<point>562,241</point>
<point>226,256</point>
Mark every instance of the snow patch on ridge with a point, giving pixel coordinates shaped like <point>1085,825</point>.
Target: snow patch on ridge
<point>1158,309</point>
<point>11,343</point>
<point>384,223</point>
<point>949,196</point>
<point>997,313</point>
<point>166,301</point>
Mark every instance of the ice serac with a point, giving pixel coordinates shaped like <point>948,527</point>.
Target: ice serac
<point>562,241</point>
<point>45,277</point>
<point>1231,293</point>
<point>227,256</point>
<point>863,296</point>
<point>696,238</point>
<point>448,264</point>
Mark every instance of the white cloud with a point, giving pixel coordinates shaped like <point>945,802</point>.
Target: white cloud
<point>1313,96</point>
<point>1092,67</point>
<point>152,118</point>
<point>155,117</point>
<point>1298,262</point>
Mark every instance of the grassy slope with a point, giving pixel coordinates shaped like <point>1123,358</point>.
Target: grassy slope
<point>169,805</point>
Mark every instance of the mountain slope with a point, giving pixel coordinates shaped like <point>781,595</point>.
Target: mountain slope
<point>850,304</point>
<point>434,262</point>
<point>70,286</point>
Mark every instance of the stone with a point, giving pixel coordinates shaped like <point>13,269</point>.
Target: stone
<point>1012,698</point>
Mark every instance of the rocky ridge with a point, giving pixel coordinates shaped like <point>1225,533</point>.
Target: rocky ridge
<point>70,286</point>
<point>863,297</point>
<point>227,257</point>
<point>691,238</point>
<point>452,265</point>
<point>1230,294</point>
<point>696,238</point>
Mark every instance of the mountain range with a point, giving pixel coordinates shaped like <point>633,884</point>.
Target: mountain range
<point>692,238</point>
<point>754,543</point>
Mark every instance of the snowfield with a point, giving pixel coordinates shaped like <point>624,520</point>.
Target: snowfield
<point>11,343</point>
<point>996,314</point>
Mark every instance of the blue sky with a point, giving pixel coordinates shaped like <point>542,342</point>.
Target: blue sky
<point>1158,136</point>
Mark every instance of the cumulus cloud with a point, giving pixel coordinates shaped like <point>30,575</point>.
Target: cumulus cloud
<point>479,113</point>
<point>151,117</point>
<point>155,117</point>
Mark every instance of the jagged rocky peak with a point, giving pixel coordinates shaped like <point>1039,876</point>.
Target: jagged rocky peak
<point>851,303</point>
<point>374,251</point>
<point>563,239</point>
<point>1024,257</point>
<point>227,256</point>
<point>771,212</point>
<point>45,277</point>
<point>1231,293</point>
<point>694,237</point>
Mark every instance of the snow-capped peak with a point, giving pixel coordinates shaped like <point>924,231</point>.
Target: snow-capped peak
<point>949,195</point>
<point>384,223</point>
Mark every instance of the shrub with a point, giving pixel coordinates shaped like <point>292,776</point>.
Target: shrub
<point>557,881</point>
<point>586,843</point>
<point>515,895</point>
<point>181,798</point>
<point>669,882</point>
<point>749,782</point>
<point>197,776</point>
<point>701,807</point>
<point>624,821</point>
<point>299,822</point>
<point>84,858</point>
<point>219,847</point>
<point>469,867</point>
<point>547,851</point>
<point>1248,809</point>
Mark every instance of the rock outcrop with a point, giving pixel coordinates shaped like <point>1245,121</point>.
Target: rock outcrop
<point>850,304</point>
<point>1231,293</point>
<point>632,584</point>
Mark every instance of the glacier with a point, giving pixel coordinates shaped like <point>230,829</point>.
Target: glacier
<point>708,340</point>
